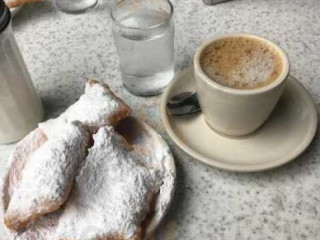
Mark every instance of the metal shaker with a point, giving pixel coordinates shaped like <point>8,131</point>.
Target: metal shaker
<point>20,106</point>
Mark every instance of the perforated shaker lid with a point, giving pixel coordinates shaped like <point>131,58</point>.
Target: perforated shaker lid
<point>5,16</point>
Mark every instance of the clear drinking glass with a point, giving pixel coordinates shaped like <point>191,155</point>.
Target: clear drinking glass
<point>143,32</point>
<point>75,6</point>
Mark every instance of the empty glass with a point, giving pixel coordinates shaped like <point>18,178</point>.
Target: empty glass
<point>144,37</point>
<point>75,6</point>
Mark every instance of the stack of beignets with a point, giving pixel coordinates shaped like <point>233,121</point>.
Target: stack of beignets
<point>77,178</point>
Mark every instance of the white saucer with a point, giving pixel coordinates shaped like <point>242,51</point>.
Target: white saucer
<point>285,135</point>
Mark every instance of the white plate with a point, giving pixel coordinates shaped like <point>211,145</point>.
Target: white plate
<point>285,135</point>
<point>149,143</point>
<point>145,138</point>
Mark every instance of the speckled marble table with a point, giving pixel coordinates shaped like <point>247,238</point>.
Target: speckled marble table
<point>63,51</point>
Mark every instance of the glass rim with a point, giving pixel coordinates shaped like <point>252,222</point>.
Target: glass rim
<point>144,28</point>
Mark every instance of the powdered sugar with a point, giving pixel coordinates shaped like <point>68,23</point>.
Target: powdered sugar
<point>154,154</point>
<point>19,157</point>
<point>112,193</point>
<point>94,108</point>
<point>48,176</point>
<point>138,174</point>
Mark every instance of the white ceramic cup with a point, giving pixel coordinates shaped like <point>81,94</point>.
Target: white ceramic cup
<point>238,112</point>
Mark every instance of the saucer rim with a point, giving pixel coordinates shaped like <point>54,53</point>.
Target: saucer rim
<point>308,137</point>
<point>169,164</point>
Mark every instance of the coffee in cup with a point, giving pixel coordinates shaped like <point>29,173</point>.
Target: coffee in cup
<point>239,80</point>
<point>241,62</point>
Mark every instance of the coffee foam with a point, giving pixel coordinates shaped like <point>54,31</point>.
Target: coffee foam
<point>241,62</point>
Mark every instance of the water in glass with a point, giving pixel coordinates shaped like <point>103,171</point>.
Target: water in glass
<point>146,50</point>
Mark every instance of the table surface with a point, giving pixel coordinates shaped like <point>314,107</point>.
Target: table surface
<point>62,51</point>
